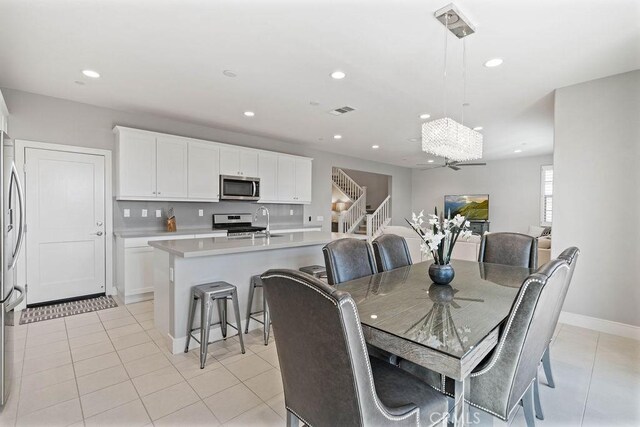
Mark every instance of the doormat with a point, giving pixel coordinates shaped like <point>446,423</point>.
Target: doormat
<point>54,311</point>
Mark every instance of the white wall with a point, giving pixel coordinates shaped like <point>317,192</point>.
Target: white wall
<point>378,185</point>
<point>513,186</point>
<point>597,194</point>
<point>46,119</point>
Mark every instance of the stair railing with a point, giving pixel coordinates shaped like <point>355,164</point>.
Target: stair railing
<point>347,185</point>
<point>379,219</point>
<point>349,220</point>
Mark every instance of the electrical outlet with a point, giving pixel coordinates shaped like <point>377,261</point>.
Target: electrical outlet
<point>290,211</point>
<point>158,213</point>
<point>200,212</point>
<point>126,213</point>
<point>319,218</point>
<point>144,213</point>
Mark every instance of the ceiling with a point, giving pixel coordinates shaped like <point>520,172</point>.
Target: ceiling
<point>168,57</point>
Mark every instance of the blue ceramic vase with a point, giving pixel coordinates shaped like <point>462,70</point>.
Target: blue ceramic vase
<point>441,274</point>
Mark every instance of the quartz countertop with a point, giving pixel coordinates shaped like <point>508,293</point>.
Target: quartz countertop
<point>189,248</point>
<point>128,234</point>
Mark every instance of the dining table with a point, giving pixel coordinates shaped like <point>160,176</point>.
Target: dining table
<point>448,329</point>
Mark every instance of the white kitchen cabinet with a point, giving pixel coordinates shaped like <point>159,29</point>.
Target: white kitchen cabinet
<point>303,181</point>
<point>157,166</point>
<point>204,171</point>
<point>286,179</point>
<point>294,179</point>
<point>134,264</point>
<point>238,162</point>
<point>268,174</point>
<point>249,163</point>
<point>171,167</point>
<point>136,164</point>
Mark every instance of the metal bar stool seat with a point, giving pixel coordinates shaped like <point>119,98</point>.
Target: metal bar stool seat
<point>256,282</point>
<point>219,292</point>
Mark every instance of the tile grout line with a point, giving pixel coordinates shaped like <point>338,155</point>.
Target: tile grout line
<point>75,377</point>
<point>126,372</point>
<point>593,365</point>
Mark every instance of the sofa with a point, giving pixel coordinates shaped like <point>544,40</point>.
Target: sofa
<point>464,249</point>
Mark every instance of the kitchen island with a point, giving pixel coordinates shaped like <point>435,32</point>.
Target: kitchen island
<point>180,264</point>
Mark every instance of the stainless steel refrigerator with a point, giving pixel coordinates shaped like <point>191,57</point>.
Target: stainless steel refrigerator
<point>11,237</point>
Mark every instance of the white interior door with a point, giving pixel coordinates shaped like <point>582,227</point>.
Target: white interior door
<point>65,210</point>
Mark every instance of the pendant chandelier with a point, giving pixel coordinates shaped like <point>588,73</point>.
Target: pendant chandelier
<point>446,137</point>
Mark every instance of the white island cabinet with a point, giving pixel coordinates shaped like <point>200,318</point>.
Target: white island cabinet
<point>178,265</point>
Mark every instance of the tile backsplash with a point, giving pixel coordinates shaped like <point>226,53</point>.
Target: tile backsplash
<point>187,214</point>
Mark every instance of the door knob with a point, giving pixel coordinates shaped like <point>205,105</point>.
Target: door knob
<point>99,223</point>
<point>99,233</point>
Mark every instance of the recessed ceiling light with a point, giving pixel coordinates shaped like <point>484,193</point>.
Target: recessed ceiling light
<point>229,73</point>
<point>338,75</point>
<point>375,147</point>
<point>337,136</point>
<point>374,316</point>
<point>249,113</point>
<point>430,161</point>
<point>517,151</point>
<point>478,128</point>
<point>425,116</point>
<point>91,73</point>
<point>493,62</point>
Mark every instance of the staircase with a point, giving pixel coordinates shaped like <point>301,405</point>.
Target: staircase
<point>360,218</point>
<point>350,219</point>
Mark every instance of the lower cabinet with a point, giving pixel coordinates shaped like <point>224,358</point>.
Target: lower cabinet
<point>134,265</point>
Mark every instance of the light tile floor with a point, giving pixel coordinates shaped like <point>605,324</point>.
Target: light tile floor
<point>111,368</point>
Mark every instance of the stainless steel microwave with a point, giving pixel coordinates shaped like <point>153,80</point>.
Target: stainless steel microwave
<point>239,188</point>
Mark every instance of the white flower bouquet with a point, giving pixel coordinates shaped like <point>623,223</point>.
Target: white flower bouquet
<point>439,235</point>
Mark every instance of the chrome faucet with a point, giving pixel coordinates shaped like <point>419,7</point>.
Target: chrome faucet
<point>255,218</point>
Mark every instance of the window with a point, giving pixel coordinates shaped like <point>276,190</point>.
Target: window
<point>546,195</point>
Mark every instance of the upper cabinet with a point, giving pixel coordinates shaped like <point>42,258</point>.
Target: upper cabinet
<point>268,174</point>
<point>155,166</point>
<point>4,115</point>
<point>171,167</point>
<point>294,179</point>
<point>136,164</point>
<point>204,171</point>
<point>238,162</point>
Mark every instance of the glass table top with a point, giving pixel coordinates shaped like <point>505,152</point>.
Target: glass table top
<point>452,318</point>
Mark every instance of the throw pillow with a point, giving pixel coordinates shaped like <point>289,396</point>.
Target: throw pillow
<point>535,231</point>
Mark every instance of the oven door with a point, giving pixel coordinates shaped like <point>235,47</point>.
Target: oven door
<point>239,188</point>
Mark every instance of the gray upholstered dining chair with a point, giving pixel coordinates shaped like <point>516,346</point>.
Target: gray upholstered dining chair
<point>508,375</point>
<point>328,378</point>
<point>348,259</point>
<point>391,252</point>
<point>515,249</point>
<point>570,255</point>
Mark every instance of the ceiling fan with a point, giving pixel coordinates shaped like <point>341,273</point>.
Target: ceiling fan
<point>454,165</point>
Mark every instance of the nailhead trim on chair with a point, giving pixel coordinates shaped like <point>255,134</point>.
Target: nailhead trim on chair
<point>511,317</point>
<point>369,371</point>
<point>302,283</point>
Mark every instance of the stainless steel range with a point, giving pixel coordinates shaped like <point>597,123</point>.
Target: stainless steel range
<point>237,225</point>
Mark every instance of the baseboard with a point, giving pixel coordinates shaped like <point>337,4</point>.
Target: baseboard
<point>601,325</point>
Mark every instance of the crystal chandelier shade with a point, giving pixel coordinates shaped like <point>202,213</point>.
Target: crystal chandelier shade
<point>451,140</point>
<point>446,137</point>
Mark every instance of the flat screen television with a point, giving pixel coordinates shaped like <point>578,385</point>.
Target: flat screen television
<point>475,207</point>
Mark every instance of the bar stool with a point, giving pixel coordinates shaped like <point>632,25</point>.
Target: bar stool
<point>219,292</point>
<point>317,271</point>
<point>256,282</point>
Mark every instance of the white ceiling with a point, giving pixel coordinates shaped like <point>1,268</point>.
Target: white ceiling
<point>167,57</point>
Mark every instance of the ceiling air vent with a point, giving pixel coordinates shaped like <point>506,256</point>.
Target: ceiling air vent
<point>341,110</point>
